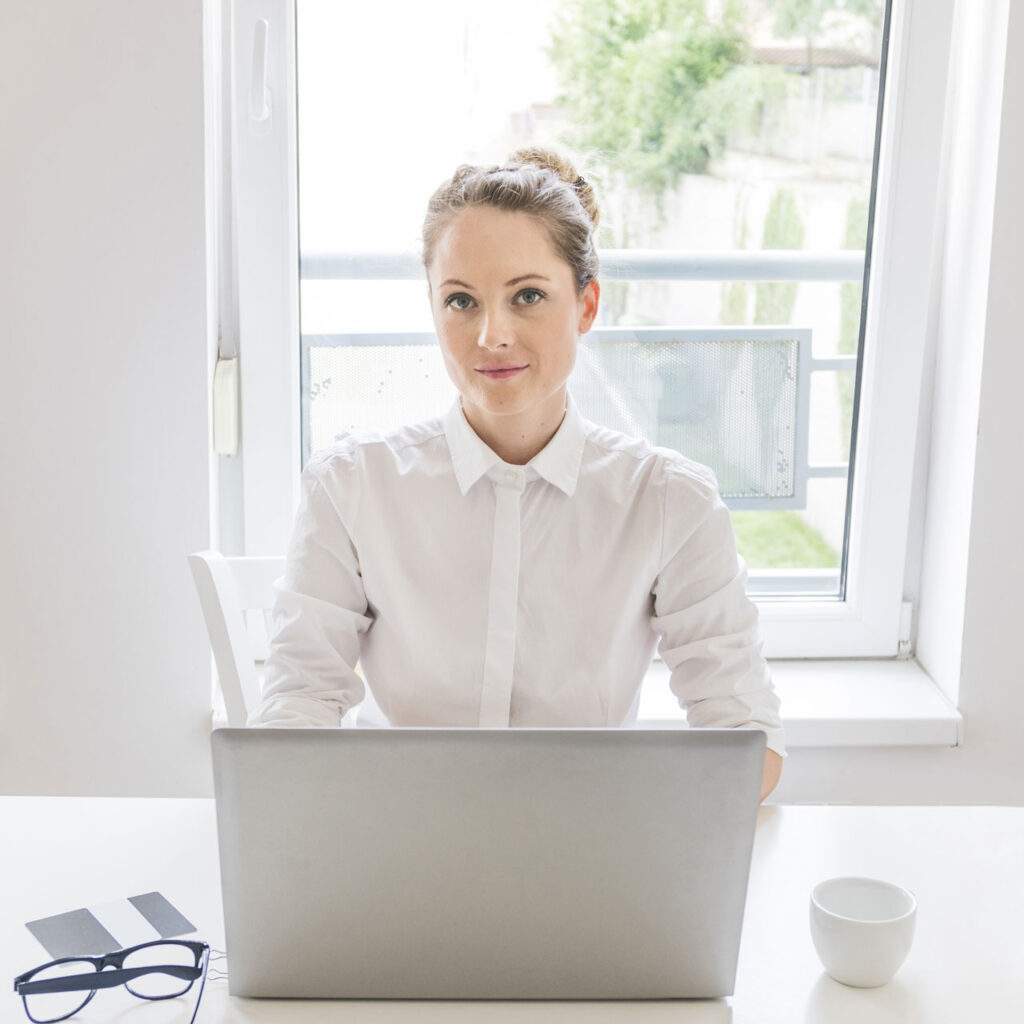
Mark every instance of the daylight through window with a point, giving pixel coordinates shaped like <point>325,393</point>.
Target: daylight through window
<point>733,147</point>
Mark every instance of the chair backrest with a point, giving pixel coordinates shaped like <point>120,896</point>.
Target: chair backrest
<point>228,588</point>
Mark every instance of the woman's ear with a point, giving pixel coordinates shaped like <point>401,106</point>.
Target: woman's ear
<point>588,306</point>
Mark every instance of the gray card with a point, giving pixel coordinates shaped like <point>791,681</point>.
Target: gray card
<point>105,927</point>
<point>76,933</point>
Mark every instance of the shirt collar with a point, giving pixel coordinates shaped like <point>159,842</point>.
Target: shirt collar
<point>558,462</point>
<point>471,458</point>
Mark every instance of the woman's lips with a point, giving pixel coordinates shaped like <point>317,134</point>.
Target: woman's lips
<point>499,372</point>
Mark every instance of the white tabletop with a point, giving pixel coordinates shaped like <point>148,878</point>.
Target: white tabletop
<point>966,866</point>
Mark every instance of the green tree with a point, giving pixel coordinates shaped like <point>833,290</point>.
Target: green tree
<point>783,229</point>
<point>643,82</point>
<point>807,19</point>
<point>734,293</point>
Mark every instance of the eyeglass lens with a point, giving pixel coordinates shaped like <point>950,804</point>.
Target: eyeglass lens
<point>158,985</point>
<point>43,1007</point>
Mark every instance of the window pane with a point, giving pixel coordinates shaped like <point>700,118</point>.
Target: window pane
<point>831,409</point>
<point>722,129</point>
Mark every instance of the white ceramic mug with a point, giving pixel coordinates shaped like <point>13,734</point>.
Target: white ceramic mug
<point>862,929</point>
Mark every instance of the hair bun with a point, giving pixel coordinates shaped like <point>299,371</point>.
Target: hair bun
<point>562,167</point>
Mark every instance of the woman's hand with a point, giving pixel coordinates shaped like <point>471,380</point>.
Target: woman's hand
<point>772,771</point>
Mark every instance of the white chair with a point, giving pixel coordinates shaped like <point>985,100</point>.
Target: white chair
<point>228,589</point>
<point>236,595</point>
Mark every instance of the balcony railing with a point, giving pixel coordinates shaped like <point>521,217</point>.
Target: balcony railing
<point>729,387</point>
<point>621,265</point>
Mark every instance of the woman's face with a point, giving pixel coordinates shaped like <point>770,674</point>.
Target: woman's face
<point>508,315</point>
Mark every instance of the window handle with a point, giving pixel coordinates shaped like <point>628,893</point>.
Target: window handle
<point>259,94</point>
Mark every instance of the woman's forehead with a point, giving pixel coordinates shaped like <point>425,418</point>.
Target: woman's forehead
<point>482,241</point>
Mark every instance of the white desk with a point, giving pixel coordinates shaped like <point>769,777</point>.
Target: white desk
<point>966,866</point>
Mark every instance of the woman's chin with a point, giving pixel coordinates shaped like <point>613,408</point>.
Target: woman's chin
<point>512,398</point>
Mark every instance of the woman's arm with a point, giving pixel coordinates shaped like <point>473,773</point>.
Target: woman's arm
<point>710,636</point>
<point>772,771</point>
<point>319,614</point>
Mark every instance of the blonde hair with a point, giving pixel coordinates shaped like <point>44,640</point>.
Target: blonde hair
<point>536,182</point>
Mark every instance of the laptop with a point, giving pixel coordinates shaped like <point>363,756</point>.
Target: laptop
<point>485,863</point>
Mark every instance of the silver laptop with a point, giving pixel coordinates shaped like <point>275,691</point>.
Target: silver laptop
<point>485,864</point>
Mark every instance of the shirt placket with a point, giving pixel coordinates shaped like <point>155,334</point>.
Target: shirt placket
<point>502,600</point>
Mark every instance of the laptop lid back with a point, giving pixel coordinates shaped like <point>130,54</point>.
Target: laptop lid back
<point>485,864</point>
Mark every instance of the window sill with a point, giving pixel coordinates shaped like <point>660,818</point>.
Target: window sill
<point>836,703</point>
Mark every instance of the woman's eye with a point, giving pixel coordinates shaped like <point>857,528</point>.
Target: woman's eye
<point>530,296</point>
<point>459,301</point>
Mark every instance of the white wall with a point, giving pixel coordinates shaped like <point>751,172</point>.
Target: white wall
<point>104,355</point>
<point>104,667</point>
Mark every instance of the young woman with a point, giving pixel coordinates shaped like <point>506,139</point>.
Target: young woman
<point>511,564</point>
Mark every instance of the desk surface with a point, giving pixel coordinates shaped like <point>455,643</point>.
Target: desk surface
<point>965,864</point>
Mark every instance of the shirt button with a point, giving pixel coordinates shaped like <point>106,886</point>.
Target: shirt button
<point>510,475</point>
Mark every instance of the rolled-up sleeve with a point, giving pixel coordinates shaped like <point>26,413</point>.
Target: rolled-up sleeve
<point>710,637</point>
<point>320,610</point>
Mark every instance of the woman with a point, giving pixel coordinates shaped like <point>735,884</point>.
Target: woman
<point>511,563</point>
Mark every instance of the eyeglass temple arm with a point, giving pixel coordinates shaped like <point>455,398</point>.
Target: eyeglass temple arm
<point>103,979</point>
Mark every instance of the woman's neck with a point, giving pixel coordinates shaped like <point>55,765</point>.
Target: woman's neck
<point>517,437</point>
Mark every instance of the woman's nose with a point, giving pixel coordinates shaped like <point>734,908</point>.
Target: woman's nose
<point>495,332</point>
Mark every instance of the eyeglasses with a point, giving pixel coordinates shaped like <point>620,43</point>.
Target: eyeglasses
<point>162,969</point>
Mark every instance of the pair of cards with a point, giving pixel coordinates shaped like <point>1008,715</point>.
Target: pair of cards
<point>106,927</point>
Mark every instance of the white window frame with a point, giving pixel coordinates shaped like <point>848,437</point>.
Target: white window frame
<point>259,101</point>
<point>871,619</point>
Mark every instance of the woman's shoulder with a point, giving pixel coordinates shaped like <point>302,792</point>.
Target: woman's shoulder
<point>360,447</point>
<point>661,466</point>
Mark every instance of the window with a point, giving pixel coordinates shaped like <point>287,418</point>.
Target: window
<point>733,250</point>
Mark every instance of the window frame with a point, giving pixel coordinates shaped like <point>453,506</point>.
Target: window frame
<point>871,620</point>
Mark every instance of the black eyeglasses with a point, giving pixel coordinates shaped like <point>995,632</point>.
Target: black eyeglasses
<point>162,969</point>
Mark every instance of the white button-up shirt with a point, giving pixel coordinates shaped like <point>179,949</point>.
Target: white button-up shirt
<point>477,593</point>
